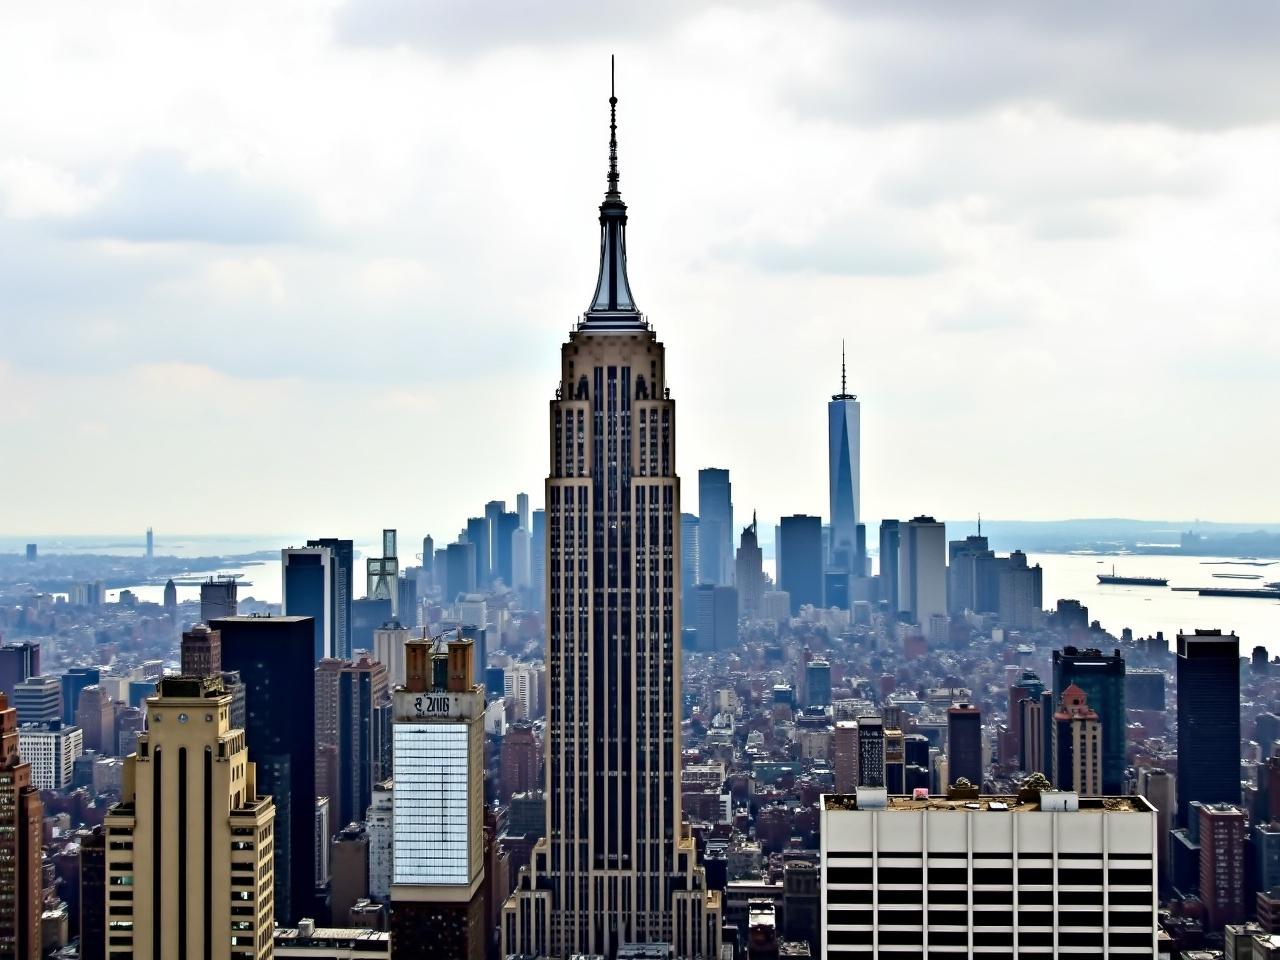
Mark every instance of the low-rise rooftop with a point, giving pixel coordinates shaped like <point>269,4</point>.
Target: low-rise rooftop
<point>988,802</point>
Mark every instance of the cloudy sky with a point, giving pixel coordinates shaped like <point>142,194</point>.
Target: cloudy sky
<point>306,266</point>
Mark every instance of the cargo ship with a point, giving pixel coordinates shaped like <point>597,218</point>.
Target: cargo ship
<point>1115,578</point>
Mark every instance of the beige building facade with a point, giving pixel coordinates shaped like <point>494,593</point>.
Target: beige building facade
<point>190,847</point>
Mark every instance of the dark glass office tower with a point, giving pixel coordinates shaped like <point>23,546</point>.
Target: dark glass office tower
<point>964,744</point>
<point>307,578</point>
<point>715,526</point>
<point>18,662</point>
<point>800,554</point>
<point>478,536</point>
<point>342,592</point>
<point>459,570</point>
<point>504,526</point>
<point>74,681</point>
<point>1101,677</point>
<point>276,660</point>
<point>889,538</point>
<point>1208,720</point>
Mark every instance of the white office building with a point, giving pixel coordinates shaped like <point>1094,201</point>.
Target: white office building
<point>522,682</point>
<point>1044,874</point>
<point>437,850</point>
<point>51,749</point>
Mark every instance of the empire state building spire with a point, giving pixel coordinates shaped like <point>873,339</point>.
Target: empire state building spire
<point>617,863</point>
<point>613,305</point>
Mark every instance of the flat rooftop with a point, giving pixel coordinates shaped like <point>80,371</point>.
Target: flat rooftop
<point>986,802</point>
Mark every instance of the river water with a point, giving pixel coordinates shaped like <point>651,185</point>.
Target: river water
<point>1074,576</point>
<point>1150,609</point>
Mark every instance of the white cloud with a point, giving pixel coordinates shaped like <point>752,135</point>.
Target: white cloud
<point>375,222</point>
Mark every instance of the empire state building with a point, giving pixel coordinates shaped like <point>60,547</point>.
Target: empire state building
<point>616,864</point>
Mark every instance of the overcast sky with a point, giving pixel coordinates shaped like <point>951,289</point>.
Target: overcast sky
<point>307,266</point>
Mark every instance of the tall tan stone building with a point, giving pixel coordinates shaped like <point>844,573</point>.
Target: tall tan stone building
<point>190,847</point>
<point>21,813</point>
<point>617,864</point>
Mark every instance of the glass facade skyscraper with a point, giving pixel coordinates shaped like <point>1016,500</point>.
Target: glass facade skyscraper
<point>844,446</point>
<point>1208,720</point>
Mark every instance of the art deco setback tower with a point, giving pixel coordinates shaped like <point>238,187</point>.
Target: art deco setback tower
<point>616,864</point>
<point>844,458</point>
<point>189,852</point>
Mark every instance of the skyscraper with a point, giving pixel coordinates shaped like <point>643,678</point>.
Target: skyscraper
<point>1026,724</point>
<point>689,566</point>
<point>504,528</point>
<point>962,575</point>
<point>715,526</point>
<point>964,744</point>
<point>717,616</point>
<point>191,838</point>
<point>844,460</point>
<point>342,590</point>
<point>800,559</point>
<point>1222,861</point>
<point>1158,786</point>
<point>96,718</point>
<point>429,559</point>
<point>346,695</point>
<point>750,572</point>
<point>21,813</point>
<point>276,660</point>
<point>73,682</point>
<point>889,545</point>
<point>538,560</point>
<point>18,661</point>
<point>521,572</point>
<point>437,877</point>
<point>38,700</point>
<point>617,865</point>
<point>1208,720</point>
<point>478,537</point>
<point>1077,745</point>
<point>170,597</point>
<point>381,573</point>
<point>870,752</point>
<point>493,510</point>
<point>459,570</point>
<point>922,571</point>
<point>817,677</point>
<point>201,652</point>
<point>1101,677</point>
<point>217,598</point>
<point>308,579</point>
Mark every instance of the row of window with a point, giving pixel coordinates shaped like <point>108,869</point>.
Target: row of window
<point>962,895</point>
<point>990,918</point>
<point>990,938</point>
<point>994,876</point>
